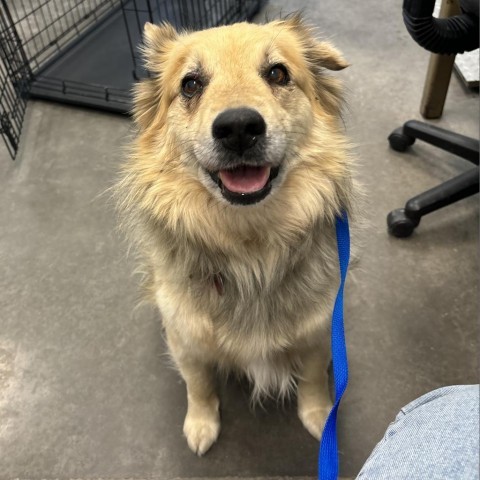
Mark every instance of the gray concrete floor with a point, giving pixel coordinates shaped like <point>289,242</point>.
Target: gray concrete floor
<point>85,388</point>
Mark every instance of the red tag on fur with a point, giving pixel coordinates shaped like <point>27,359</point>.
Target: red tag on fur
<point>218,282</point>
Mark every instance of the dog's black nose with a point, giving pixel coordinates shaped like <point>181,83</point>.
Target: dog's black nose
<point>238,128</point>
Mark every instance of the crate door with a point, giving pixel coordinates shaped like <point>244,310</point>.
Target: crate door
<point>15,80</point>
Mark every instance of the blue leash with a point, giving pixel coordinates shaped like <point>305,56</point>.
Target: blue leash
<point>328,455</point>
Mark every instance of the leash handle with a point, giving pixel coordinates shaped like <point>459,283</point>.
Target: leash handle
<point>328,455</point>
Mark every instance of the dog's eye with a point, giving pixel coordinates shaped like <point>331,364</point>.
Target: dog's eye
<point>278,75</point>
<point>191,86</point>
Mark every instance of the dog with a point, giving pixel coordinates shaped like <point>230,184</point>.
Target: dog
<point>230,194</point>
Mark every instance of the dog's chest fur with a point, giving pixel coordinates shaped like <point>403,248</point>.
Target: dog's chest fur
<point>272,297</point>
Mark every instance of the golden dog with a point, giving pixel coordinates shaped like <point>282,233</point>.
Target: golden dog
<point>230,195</point>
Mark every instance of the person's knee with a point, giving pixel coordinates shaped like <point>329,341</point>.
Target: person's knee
<point>435,436</point>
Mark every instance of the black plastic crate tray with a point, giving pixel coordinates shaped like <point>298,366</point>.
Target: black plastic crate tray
<point>99,68</point>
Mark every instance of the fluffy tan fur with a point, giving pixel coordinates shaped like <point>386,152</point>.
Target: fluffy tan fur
<point>277,258</point>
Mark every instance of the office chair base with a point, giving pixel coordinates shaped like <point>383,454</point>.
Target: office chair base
<point>403,221</point>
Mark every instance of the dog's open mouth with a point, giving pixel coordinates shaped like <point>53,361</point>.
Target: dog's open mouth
<point>245,184</point>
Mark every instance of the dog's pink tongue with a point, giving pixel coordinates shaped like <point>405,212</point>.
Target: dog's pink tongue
<point>245,179</point>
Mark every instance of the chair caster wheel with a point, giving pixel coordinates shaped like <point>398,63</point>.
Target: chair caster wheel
<point>399,141</point>
<point>399,225</point>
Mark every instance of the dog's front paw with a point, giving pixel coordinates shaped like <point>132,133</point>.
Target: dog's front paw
<point>314,419</point>
<point>201,428</point>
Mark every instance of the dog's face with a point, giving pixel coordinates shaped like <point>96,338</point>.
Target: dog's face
<point>236,102</point>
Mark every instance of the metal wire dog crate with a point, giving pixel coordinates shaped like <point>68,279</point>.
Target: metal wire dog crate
<point>84,52</point>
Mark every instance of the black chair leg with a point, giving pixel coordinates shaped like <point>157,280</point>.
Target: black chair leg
<point>403,137</point>
<point>403,221</point>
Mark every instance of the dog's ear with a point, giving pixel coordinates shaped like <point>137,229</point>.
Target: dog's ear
<point>158,40</point>
<point>318,54</point>
<point>325,55</point>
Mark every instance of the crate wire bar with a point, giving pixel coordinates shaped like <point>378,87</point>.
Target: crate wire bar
<point>84,52</point>
<point>46,27</point>
<point>15,76</point>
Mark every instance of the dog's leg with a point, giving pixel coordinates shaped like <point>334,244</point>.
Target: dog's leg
<point>314,401</point>
<point>202,422</point>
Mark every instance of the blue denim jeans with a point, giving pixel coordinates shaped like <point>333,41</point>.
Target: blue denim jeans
<point>435,437</point>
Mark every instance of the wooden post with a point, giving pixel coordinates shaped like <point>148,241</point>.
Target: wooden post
<point>439,72</point>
